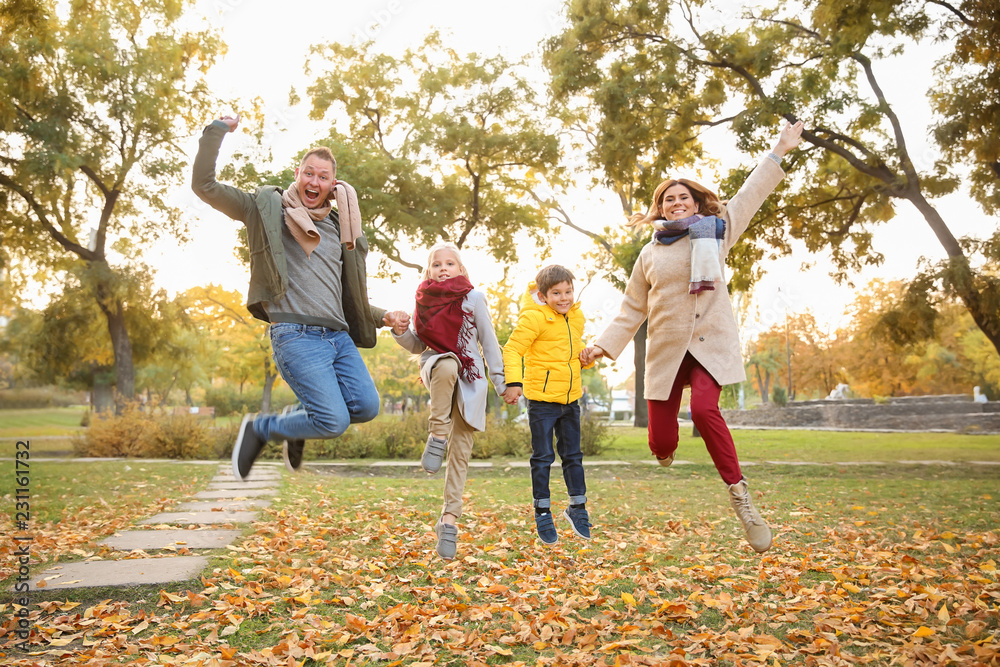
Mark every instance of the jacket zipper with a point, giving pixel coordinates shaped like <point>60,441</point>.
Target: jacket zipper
<point>546,383</point>
<point>569,363</point>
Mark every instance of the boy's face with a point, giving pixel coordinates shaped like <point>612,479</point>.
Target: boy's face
<point>559,297</point>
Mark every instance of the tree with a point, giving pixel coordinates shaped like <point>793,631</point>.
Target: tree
<point>242,347</point>
<point>439,147</point>
<point>660,72</point>
<point>93,97</point>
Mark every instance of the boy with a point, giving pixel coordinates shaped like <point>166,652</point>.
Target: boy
<point>549,338</point>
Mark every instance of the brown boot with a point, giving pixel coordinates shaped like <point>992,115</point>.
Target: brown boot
<point>758,533</point>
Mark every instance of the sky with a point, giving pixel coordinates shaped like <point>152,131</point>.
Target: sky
<point>267,48</point>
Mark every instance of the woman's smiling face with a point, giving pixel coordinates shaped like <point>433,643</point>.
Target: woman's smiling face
<point>677,203</point>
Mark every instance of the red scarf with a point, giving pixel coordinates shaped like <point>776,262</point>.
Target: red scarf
<point>443,325</point>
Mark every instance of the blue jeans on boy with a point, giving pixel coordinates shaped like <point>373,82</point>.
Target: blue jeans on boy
<point>562,421</point>
<point>325,370</point>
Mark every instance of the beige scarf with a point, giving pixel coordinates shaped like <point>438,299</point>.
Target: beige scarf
<point>300,219</point>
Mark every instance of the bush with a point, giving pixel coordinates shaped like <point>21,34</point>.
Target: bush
<point>138,434</point>
<point>40,397</point>
<point>595,435</point>
<point>779,397</point>
<point>502,437</point>
<point>227,400</point>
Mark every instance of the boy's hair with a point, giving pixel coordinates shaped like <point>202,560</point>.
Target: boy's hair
<point>437,247</point>
<point>323,153</point>
<point>551,276</point>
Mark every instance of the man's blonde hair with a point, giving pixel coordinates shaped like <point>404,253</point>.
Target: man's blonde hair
<point>323,153</point>
<point>438,247</point>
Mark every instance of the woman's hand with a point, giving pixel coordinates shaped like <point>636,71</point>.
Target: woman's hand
<point>590,355</point>
<point>789,138</point>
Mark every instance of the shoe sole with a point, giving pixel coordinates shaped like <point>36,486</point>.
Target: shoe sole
<point>573,526</point>
<point>288,460</point>
<point>236,448</point>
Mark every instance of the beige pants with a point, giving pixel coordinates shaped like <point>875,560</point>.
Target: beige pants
<point>446,421</point>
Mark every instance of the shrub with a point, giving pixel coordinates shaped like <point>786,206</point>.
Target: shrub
<point>39,397</point>
<point>779,397</point>
<point>138,434</point>
<point>595,435</point>
<point>227,400</point>
<point>502,437</point>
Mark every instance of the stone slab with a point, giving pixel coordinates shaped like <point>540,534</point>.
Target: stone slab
<point>606,463</point>
<point>223,505</point>
<point>128,540</point>
<point>201,517</point>
<point>234,493</point>
<point>396,464</point>
<point>263,484</point>
<point>131,572</point>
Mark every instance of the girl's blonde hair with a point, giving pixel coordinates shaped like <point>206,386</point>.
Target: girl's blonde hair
<point>438,247</point>
<point>708,201</point>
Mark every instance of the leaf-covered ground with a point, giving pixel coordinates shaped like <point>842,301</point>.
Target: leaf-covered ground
<point>879,566</point>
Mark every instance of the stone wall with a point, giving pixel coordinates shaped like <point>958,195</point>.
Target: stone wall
<point>918,413</point>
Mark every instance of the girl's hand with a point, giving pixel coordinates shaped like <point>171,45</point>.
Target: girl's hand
<point>590,354</point>
<point>231,121</point>
<point>399,320</point>
<point>789,138</point>
<point>511,394</point>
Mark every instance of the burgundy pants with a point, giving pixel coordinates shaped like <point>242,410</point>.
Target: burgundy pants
<point>663,427</point>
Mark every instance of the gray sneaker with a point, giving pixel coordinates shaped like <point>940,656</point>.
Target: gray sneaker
<point>757,531</point>
<point>433,454</point>
<point>447,545</point>
<point>246,449</point>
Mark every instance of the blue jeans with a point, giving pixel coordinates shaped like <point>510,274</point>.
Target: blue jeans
<point>562,421</point>
<point>325,370</point>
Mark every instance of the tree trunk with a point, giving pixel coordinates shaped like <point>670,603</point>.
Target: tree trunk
<point>122,346</point>
<point>102,398</point>
<point>960,274</point>
<point>641,407</point>
<point>269,378</point>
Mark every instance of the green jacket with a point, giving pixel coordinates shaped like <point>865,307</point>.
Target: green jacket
<point>261,214</point>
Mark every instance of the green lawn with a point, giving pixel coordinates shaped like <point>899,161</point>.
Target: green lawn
<point>877,564</point>
<point>41,421</point>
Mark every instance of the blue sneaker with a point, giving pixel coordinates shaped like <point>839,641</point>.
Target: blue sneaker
<point>579,519</point>
<point>546,528</point>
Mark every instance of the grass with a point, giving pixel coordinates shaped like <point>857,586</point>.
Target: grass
<point>41,422</point>
<point>667,564</point>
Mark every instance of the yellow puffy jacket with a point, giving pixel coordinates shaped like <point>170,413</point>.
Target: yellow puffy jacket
<point>550,345</point>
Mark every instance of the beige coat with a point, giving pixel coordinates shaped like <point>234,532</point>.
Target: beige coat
<point>678,321</point>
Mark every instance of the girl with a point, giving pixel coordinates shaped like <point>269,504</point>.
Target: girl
<point>679,284</point>
<point>450,324</point>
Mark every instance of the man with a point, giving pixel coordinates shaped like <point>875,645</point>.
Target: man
<point>307,279</point>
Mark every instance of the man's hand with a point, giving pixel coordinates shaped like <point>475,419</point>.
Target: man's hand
<point>511,394</point>
<point>399,320</point>
<point>590,354</point>
<point>231,121</point>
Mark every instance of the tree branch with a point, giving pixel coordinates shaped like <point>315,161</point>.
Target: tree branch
<point>564,218</point>
<point>897,128</point>
<point>62,239</point>
<point>956,11</point>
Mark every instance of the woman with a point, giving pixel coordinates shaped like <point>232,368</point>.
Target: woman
<point>679,285</point>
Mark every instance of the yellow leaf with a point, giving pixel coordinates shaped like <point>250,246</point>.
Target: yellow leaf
<point>139,628</point>
<point>851,587</point>
<point>629,600</point>
<point>923,631</point>
<point>943,615</point>
<point>460,591</point>
<point>989,566</point>
<point>947,547</point>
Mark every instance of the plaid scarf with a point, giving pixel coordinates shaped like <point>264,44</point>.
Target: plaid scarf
<point>443,325</point>
<point>706,234</point>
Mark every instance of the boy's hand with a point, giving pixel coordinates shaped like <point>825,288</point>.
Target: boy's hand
<point>511,394</point>
<point>399,320</point>
<point>590,354</point>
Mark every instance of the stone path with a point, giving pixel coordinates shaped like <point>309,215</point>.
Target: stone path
<point>193,526</point>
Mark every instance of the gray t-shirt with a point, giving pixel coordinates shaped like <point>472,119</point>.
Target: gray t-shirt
<point>314,293</point>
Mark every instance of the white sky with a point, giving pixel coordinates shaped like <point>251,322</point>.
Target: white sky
<point>268,45</point>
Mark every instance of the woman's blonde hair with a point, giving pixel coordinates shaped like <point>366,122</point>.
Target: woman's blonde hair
<point>438,247</point>
<point>708,201</point>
